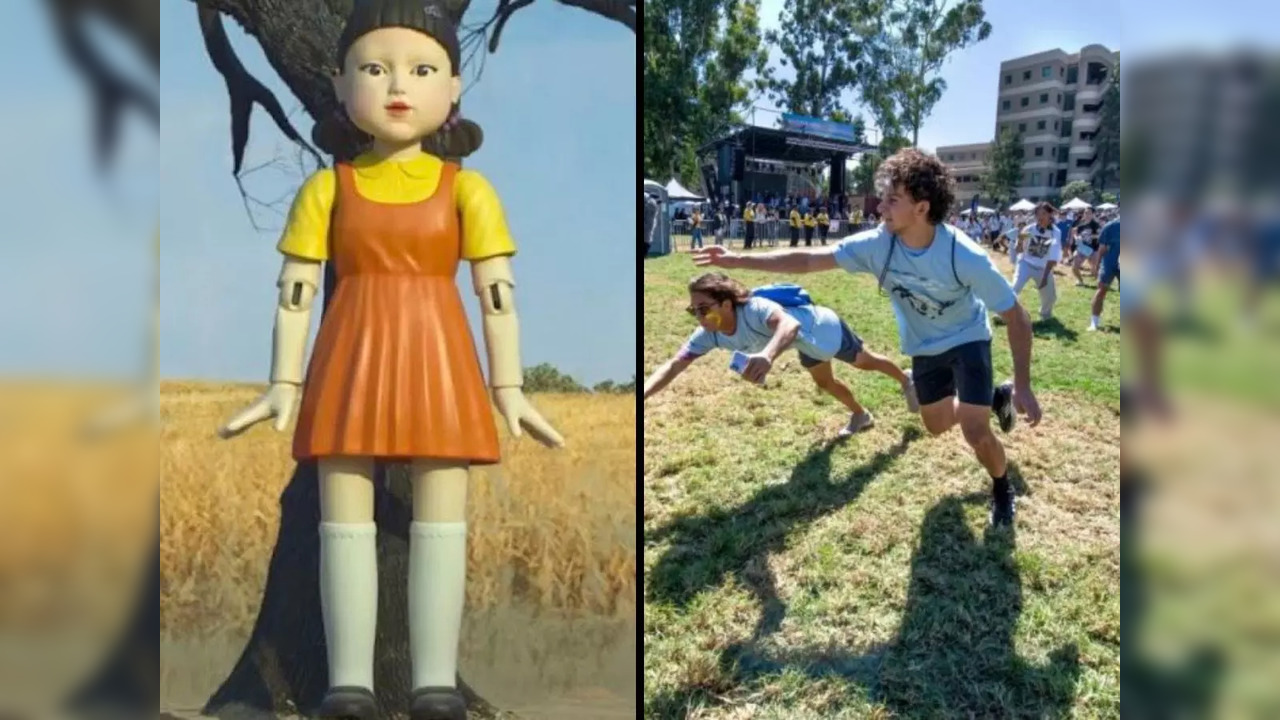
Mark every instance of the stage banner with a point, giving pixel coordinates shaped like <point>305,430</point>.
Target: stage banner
<point>818,127</point>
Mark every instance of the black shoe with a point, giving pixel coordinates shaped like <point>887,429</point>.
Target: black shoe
<point>441,703</point>
<point>348,703</point>
<point>1002,406</point>
<point>1002,508</point>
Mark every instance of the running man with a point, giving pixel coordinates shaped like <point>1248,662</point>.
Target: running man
<point>730,318</point>
<point>1109,250</point>
<point>1040,248</point>
<point>941,285</point>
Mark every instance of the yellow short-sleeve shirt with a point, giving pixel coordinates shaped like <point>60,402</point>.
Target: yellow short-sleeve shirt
<point>748,215</point>
<point>484,225</point>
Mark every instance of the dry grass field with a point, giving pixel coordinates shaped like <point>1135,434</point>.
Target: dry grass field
<point>552,561</point>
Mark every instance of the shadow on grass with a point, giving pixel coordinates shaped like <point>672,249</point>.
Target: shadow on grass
<point>1053,327</point>
<point>736,541</point>
<point>953,655</point>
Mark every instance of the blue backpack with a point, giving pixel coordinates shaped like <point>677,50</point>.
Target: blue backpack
<point>785,294</point>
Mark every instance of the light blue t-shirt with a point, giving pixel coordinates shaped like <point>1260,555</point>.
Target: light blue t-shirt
<point>819,335</point>
<point>935,313</point>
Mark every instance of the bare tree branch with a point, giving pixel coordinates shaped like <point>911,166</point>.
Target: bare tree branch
<point>244,89</point>
<point>623,11</point>
<point>112,92</point>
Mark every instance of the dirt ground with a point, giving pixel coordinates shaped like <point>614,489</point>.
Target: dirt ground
<point>532,668</point>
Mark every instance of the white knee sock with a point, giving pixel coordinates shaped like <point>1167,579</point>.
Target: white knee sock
<point>437,590</point>
<point>349,600</point>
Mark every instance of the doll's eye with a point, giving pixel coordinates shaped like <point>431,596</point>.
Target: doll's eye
<point>373,69</point>
<point>424,70</point>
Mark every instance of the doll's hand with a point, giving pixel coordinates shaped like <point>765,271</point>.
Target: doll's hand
<point>515,407</point>
<point>279,401</point>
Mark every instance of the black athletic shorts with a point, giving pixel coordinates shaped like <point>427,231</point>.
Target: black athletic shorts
<point>850,346</point>
<point>964,371</point>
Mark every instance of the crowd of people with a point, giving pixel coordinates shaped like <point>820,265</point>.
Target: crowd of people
<point>764,224</point>
<point>1037,242</point>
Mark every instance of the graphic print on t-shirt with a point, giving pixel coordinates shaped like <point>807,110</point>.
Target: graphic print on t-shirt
<point>1039,241</point>
<point>914,290</point>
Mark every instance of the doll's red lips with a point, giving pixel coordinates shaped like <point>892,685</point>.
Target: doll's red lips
<point>398,106</point>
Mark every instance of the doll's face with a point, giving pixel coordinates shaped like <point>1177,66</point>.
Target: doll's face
<point>397,84</point>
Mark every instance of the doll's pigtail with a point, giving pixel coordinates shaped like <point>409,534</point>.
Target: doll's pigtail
<point>336,135</point>
<point>456,139</point>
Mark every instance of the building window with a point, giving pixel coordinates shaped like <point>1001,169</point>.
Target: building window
<point>1073,74</point>
<point>1055,124</point>
<point>1046,71</point>
<point>1004,127</point>
<point>1040,125</point>
<point>1025,102</point>
<point>1004,105</point>
<point>1061,71</point>
<point>1039,152</point>
<point>1044,98</point>
<point>1084,135</point>
<point>1008,79</point>
<point>1070,103</point>
<point>1022,127</point>
<point>1066,128</point>
<point>1026,74</point>
<point>1035,179</point>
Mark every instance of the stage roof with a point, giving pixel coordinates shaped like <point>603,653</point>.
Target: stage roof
<point>774,144</point>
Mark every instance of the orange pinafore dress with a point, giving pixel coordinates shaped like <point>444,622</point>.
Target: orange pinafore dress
<point>394,372</point>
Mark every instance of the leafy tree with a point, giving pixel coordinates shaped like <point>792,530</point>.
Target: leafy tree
<point>1077,189</point>
<point>1107,197</point>
<point>629,387</point>
<point>544,377</point>
<point>901,80</point>
<point>821,41</point>
<point>1004,169</point>
<point>1106,165</point>
<point>696,56</point>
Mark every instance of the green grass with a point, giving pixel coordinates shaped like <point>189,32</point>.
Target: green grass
<point>790,576</point>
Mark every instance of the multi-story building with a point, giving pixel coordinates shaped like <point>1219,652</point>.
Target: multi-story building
<point>967,163</point>
<point>1054,100</point>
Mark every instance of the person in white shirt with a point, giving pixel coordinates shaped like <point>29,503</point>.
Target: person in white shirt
<point>1039,249</point>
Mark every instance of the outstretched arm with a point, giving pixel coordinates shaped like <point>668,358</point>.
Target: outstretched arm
<point>665,373</point>
<point>779,261</point>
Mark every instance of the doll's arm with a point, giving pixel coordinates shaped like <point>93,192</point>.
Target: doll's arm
<point>298,283</point>
<point>493,283</point>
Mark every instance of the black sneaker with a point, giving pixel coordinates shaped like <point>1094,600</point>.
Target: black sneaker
<point>1002,406</point>
<point>1002,508</point>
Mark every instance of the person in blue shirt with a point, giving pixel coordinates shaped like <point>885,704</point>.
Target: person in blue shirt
<point>1108,268</point>
<point>941,285</point>
<point>730,318</point>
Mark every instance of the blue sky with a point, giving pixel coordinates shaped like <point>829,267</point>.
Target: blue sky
<point>557,104</point>
<point>1136,28</point>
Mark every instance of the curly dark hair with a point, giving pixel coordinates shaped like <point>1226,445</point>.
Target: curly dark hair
<point>720,287</point>
<point>923,177</point>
